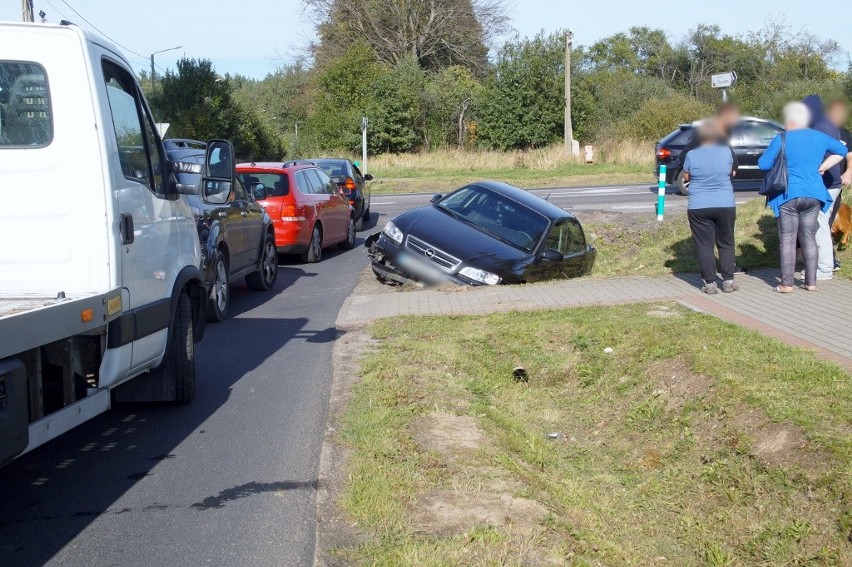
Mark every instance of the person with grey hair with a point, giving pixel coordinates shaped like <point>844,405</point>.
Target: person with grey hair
<point>809,155</point>
<point>711,208</point>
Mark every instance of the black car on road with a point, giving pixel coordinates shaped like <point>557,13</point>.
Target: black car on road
<point>485,233</point>
<point>749,139</point>
<point>237,238</point>
<point>351,182</point>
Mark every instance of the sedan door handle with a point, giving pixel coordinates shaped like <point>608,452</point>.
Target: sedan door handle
<point>243,213</point>
<point>222,214</point>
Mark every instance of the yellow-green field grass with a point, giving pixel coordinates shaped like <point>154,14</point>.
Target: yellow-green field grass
<point>645,435</point>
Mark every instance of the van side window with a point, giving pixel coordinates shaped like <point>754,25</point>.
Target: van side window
<point>155,150</point>
<point>25,119</point>
<point>128,124</point>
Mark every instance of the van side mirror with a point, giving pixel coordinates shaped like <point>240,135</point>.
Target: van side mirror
<point>552,255</point>
<point>219,172</point>
<point>436,197</point>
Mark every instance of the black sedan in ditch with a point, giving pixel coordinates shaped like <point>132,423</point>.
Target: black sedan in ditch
<point>485,233</point>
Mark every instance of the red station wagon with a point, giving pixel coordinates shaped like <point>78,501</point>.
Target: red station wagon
<point>309,213</point>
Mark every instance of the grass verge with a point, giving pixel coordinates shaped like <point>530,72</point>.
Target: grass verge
<point>643,246</point>
<point>691,442</point>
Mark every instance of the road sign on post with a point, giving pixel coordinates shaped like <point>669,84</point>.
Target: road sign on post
<point>724,81</point>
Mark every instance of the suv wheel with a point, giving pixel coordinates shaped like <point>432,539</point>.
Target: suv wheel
<point>220,295</point>
<point>349,243</point>
<point>264,278</point>
<point>682,186</point>
<point>314,252</point>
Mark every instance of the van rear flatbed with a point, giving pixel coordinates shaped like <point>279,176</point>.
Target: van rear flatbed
<point>27,322</point>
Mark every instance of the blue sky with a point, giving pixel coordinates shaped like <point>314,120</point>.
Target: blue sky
<point>252,37</point>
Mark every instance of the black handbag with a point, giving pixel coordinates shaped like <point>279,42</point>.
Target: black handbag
<point>775,182</point>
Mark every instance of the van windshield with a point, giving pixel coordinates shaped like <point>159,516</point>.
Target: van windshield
<point>24,105</point>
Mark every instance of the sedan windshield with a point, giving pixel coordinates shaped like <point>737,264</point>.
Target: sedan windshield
<point>497,216</point>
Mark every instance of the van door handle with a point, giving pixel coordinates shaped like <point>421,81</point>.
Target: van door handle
<point>126,228</point>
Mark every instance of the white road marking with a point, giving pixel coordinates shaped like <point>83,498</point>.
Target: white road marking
<point>385,203</point>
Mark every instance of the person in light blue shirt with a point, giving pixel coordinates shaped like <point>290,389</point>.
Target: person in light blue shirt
<point>797,210</point>
<point>711,209</point>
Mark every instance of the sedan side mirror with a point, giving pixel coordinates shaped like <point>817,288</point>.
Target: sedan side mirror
<point>552,255</point>
<point>368,177</point>
<point>436,197</point>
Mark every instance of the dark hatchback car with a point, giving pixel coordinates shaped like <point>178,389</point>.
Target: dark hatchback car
<point>237,237</point>
<point>351,182</point>
<point>483,234</point>
<point>749,139</point>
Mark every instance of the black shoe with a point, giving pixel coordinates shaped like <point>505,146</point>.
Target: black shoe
<point>739,269</point>
<point>837,265</point>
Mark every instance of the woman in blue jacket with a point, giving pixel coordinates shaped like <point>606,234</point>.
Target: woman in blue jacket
<point>809,155</point>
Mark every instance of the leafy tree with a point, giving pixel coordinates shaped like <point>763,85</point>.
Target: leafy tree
<point>450,100</point>
<point>199,104</point>
<point>437,33</point>
<point>523,101</point>
<point>395,109</point>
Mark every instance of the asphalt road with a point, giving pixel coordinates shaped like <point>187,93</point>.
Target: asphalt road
<point>617,198</point>
<point>227,480</point>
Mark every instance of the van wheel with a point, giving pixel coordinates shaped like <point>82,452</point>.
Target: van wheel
<point>220,295</point>
<point>314,252</point>
<point>264,278</point>
<point>349,243</point>
<point>682,186</point>
<point>179,361</point>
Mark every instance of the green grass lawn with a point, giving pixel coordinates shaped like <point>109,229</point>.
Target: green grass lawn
<point>692,442</point>
<point>442,178</point>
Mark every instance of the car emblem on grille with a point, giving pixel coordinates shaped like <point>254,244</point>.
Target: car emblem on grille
<point>429,252</point>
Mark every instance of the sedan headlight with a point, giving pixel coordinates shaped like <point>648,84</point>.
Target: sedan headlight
<point>480,276</point>
<point>392,232</point>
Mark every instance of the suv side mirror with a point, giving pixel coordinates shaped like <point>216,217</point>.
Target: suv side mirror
<point>219,172</point>
<point>368,177</point>
<point>552,255</point>
<point>436,197</point>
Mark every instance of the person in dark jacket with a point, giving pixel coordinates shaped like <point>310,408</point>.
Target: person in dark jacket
<point>838,113</point>
<point>810,154</point>
<point>832,180</point>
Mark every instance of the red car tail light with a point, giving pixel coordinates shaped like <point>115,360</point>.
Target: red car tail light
<point>664,153</point>
<point>290,213</point>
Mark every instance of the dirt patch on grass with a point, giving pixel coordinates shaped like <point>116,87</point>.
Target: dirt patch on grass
<point>783,445</point>
<point>454,512</point>
<point>678,384</point>
<point>448,434</point>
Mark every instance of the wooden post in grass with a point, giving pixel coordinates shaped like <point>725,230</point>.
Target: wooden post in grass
<point>661,193</point>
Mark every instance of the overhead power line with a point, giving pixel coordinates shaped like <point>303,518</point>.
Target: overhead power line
<point>100,31</point>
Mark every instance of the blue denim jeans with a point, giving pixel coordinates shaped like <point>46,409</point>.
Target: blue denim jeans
<point>799,221</point>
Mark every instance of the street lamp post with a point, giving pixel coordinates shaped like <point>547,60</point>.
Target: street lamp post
<point>153,73</point>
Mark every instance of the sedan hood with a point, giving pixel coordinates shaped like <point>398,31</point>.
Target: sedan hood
<point>457,238</point>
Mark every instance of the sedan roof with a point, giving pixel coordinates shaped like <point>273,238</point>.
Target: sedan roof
<point>525,198</point>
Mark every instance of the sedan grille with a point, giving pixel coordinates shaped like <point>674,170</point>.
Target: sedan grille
<point>426,250</point>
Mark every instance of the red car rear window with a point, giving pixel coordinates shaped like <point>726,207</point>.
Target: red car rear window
<point>277,185</point>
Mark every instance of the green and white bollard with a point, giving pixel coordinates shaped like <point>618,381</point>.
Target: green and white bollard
<point>661,193</point>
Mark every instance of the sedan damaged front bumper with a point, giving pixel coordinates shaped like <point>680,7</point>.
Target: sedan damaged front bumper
<point>393,264</point>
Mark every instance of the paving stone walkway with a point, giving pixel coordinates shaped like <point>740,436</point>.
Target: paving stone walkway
<point>819,320</point>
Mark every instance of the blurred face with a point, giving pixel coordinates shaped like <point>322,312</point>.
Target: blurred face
<point>838,113</point>
<point>727,118</point>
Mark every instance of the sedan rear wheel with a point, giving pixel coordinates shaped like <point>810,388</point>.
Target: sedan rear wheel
<point>349,243</point>
<point>314,252</point>
<point>220,293</point>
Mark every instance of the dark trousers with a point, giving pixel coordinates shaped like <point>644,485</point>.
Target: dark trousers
<point>799,222</point>
<point>711,228</point>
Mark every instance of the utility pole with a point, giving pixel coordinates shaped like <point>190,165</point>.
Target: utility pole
<point>153,72</point>
<point>569,128</point>
<point>364,123</point>
<point>27,11</point>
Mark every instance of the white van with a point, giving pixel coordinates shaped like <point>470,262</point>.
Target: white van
<point>99,253</point>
